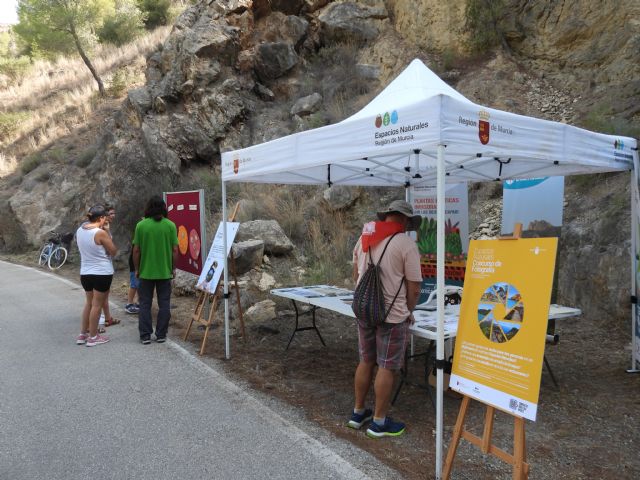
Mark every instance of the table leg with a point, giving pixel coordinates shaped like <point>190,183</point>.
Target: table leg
<point>427,371</point>
<point>298,328</point>
<point>553,378</point>
<point>313,316</point>
<point>404,373</point>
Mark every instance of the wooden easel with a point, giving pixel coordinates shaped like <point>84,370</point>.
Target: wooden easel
<point>213,299</point>
<point>517,460</point>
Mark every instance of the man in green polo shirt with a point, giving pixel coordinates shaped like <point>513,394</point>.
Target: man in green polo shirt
<point>155,253</point>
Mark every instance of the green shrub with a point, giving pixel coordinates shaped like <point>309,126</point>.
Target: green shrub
<point>55,154</point>
<point>43,176</point>
<point>5,43</point>
<point>10,123</point>
<point>315,120</point>
<point>84,159</point>
<point>601,120</point>
<point>483,21</point>
<point>123,26</point>
<point>450,59</point>
<point>31,163</point>
<point>156,12</point>
<point>120,82</point>
<point>16,68</point>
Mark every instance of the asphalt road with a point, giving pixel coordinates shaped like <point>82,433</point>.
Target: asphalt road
<point>127,411</point>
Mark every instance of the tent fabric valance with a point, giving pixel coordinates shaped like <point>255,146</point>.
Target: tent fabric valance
<point>393,140</point>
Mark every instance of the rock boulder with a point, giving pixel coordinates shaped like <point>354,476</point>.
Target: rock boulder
<point>248,255</point>
<point>270,232</point>
<point>274,59</point>
<point>307,105</point>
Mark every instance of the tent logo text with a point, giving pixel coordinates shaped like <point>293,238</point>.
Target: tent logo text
<point>483,127</point>
<point>618,145</point>
<point>386,119</point>
<point>236,162</point>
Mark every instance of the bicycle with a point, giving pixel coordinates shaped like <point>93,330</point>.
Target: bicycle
<point>55,251</point>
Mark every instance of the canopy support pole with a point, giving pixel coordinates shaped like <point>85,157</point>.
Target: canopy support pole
<point>440,198</point>
<point>225,271</point>
<point>635,195</point>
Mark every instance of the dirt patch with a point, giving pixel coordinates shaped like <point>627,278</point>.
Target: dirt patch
<point>586,428</point>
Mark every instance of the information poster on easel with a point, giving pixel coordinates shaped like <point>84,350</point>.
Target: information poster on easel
<point>214,265</point>
<point>503,322</point>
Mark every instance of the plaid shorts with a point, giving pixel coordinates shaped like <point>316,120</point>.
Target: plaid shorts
<point>386,344</point>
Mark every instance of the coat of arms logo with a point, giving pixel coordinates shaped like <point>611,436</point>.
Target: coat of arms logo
<point>483,127</point>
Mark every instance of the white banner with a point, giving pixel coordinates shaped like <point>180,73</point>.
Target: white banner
<point>424,203</point>
<point>536,203</point>
<point>213,267</point>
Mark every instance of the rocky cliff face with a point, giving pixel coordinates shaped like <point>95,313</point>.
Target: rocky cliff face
<point>238,72</point>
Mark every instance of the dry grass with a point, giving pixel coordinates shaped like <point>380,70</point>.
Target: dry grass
<point>325,238</point>
<point>56,97</point>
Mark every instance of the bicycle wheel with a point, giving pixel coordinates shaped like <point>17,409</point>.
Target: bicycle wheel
<point>44,255</point>
<point>57,258</point>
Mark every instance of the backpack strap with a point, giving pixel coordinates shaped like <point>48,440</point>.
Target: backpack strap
<point>394,299</point>
<point>385,248</point>
<point>401,281</point>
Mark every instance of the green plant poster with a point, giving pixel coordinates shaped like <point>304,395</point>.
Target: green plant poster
<point>456,231</point>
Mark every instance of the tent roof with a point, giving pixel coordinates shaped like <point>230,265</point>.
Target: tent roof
<point>393,141</point>
<point>416,82</point>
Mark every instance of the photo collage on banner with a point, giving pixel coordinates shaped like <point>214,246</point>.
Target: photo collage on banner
<point>214,264</point>
<point>186,210</point>
<point>456,231</point>
<point>503,323</point>
<point>536,203</point>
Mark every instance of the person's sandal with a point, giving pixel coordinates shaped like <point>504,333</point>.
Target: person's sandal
<point>101,329</point>
<point>111,321</point>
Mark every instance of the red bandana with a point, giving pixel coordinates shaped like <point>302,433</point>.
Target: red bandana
<point>374,232</point>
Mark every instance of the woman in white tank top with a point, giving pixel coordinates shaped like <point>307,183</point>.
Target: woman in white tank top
<point>96,273</point>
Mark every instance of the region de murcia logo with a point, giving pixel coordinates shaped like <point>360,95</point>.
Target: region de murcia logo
<point>386,119</point>
<point>618,145</point>
<point>483,127</point>
<point>236,164</point>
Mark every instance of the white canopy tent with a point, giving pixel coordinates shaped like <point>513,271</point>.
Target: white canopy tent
<point>420,131</point>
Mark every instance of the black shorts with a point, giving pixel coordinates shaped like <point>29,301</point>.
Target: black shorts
<point>100,283</point>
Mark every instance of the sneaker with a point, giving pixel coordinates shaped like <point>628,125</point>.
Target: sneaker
<point>82,338</point>
<point>145,340</point>
<point>161,339</point>
<point>389,429</point>
<point>357,419</point>
<point>97,340</point>
<point>131,308</point>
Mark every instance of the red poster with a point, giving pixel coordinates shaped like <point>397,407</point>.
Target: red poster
<point>186,211</point>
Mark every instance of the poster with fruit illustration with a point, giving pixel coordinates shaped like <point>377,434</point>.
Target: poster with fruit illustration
<point>503,323</point>
<point>186,210</point>
<point>456,231</point>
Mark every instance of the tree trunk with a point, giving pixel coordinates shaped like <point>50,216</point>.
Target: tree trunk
<point>88,63</point>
